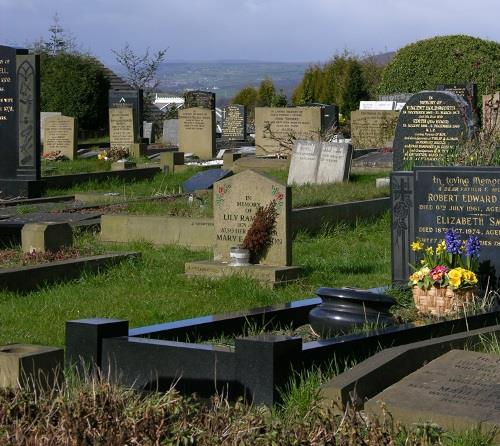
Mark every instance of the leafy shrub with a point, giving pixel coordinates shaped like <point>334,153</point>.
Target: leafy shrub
<point>75,85</point>
<point>443,60</point>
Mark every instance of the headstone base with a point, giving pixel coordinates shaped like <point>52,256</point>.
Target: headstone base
<point>271,276</point>
<point>137,150</point>
<point>10,188</point>
<point>123,165</point>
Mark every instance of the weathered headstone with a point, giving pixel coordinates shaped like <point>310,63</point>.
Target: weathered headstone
<point>276,127</point>
<point>457,391</point>
<point>397,97</point>
<point>304,163</point>
<point>170,132</point>
<point>373,128</point>
<point>129,99</point>
<point>197,132</point>
<point>199,98</point>
<point>234,122</point>
<point>431,200</point>
<point>236,200</point>
<point>61,135</point>
<point>121,127</point>
<point>43,116</point>
<point>19,123</point>
<point>377,105</point>
<point>148,131</point>
<point>334,162</point>
<point>431,124</point>
<point>319,162</point>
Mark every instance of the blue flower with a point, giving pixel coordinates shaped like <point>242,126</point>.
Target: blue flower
<point>453,242</point>
<point>472,246</point>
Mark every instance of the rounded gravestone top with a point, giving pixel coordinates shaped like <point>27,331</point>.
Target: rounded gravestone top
<point>430,126</point>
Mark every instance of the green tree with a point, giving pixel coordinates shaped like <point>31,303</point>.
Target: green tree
<point>75,85</point>
<point>443,60</point>
<point>265,93</point>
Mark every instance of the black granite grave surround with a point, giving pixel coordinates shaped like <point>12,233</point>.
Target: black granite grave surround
<point>430,200</point>
<point>19,123</point>
<point>154,357</point>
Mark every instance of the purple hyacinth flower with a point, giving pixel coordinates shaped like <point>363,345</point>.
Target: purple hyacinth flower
<point>452,241</point>
<point>472,246</point>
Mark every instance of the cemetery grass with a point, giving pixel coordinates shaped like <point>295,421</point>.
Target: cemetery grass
<point>68,167</point>
<point>153,289</point>
<point>360,187</point>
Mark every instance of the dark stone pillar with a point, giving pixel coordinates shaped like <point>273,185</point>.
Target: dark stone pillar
<point>263,363</point>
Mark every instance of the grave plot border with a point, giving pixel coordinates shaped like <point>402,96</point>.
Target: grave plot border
<point>156,356</point>
<point>28,278</point>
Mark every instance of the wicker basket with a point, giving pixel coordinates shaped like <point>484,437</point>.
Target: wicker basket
<point>441,301</point>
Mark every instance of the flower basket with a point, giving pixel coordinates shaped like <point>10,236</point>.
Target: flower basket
<point>441,301</point>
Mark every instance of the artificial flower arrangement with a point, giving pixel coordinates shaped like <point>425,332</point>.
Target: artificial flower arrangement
<point>447,270</point>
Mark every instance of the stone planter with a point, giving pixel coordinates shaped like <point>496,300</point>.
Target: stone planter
<point>239,256</point>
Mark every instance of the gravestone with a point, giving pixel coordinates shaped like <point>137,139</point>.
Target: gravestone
<point>43,116</point>
<point>319,163</point>
<point>236,200</point>
<point>396,97</point>
<point>377,105</point>
<point>121,127</point>
<point>334,163</point>
<point>197,132</point>
<point>467,91</point>
<point>430,200</point>
<point>205,180</point>
<point>61,135</point>
<point>234,122</point>
<point>199,98</point>
<point>457,391</point>
<point>19,123</point>
<point>277,127</point>
<point>373,128</point>
<point>431,124</point>
<point>170,132</point>
<point>129,99</point>
<point>304,163</point>
<point>147,131</point>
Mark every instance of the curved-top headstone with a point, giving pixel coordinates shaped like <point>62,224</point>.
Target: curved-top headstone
<point>431,124</point>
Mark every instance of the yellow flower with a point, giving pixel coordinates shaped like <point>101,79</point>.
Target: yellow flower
<point>440,247</point>
<point>455,277</point>
<point>414,278</point>
<point>469,277</point>
<point>417,246</point>
<point>429,251</point>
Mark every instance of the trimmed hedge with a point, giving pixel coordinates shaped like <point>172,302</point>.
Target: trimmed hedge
<point>443,60</point>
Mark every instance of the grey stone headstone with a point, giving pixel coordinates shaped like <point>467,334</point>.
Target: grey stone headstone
<point>199,98</point>
<point>43,116</point>
<point>147,131</point>
<point>304,163</point>
<point>170,132</point>
<point>431,125</point>
<point>132,99</point>
<point>397,97</point>
<point>334,163</point>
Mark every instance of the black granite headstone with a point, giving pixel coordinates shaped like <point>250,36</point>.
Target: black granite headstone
<point>431,125</point>
<point>467,91</point>
<point>199,98</point>
<point>329,115</point>
<point>234,122</point>
<point>129,98</point>
<point>431,200</point>
<point>19,123</point>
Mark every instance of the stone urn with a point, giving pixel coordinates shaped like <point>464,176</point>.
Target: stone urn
<point>239,256</point>
<point>344,309</point>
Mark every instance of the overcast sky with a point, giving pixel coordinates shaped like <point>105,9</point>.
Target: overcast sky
<point>266,30</point>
